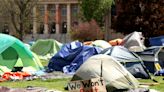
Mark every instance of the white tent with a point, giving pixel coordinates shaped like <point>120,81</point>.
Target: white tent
<point>114,74</point>
<point>134,41</point>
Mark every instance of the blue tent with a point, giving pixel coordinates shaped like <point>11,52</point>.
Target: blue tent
<point>157,41</point>
<point>71,56</point>
<point>153,58</point>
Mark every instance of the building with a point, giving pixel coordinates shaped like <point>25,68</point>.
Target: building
<point>55,16</point>
<point>51,19</point>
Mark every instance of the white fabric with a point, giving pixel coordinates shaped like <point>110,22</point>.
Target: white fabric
<point>134,39</point>
<point>113,72</point>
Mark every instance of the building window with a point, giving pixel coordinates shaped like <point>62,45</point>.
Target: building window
<point>53,28</point>
<point>64,27</point>
<point>52,10</point>
<point>41,28</point>
<point>5,29</point>
<point>41,10</point>
<point>74,10</point>
<point>63,10</point>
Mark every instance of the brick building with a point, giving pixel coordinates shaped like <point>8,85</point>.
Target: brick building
<point>55,16</point>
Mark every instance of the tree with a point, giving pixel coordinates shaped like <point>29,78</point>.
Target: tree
<point>95,9</point>
<point>19,12</point>
<point>146,16</point>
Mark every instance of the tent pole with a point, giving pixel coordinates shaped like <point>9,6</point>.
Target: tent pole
<point>101,68</point>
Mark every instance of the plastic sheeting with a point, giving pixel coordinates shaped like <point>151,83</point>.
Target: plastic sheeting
<point>157,41</point>
<point>71,56</point>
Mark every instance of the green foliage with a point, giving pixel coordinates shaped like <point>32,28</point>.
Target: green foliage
<point>95,9</point>
<point>87,31</point>
<point>19,13</point>
<point>146,16</point>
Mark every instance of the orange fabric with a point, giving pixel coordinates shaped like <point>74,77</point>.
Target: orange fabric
<point>88,43</point>
<point>115,42</point>
<point>7,75</point>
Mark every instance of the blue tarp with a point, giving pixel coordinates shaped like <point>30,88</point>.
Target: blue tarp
<point>157,41</point>
<point>71,56</point>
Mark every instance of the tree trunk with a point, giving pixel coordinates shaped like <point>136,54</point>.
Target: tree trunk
<point>21,32</point>
<point>107,25</point>
<point>21,29</point>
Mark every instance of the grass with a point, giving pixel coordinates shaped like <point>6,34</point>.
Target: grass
<point>59,84</point>
<point>159,87</point>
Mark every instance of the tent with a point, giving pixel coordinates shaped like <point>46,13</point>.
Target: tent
<point>130,61</point>
<point>157,41</point>
<point>14,53</point>
<point>71,56</point>
<point>114,74</point>
<point>101,43</point>
<point>46,48</point>
<point>134,41</point>
<point>153,58</point>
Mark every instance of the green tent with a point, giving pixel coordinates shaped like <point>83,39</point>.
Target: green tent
<point>46,48</point>
<point>14,53</point>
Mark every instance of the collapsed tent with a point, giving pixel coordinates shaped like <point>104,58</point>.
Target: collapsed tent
<point>153,58</point>
<point>157,41</point>
<point>46,48</point>
<point>114,74</point>
<point>14,53</point>
<point>134,41</point>
<point>130,61</point>
<point>71,56</point>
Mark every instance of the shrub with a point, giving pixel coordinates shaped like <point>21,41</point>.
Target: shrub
<point>87,31</point>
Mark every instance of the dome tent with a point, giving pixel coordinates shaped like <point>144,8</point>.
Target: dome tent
<point>129,60</point>
<point>48,46</point>
<point>134,41</point>
<point>153,58</point>
<point>13,52</point>
<point>114,74</point>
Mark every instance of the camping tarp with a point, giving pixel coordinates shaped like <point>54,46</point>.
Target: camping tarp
<point>134,41</point>
<point>130,61</point>
<point>13,51</point>
<point>71,56</point>
<point>157,41</point>
<point>114,74</point>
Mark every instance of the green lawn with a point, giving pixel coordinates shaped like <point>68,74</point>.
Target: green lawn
<point>59,84</point>
<point>159,87</point>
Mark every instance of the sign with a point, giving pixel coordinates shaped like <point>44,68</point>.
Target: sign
<point>92,85</point>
